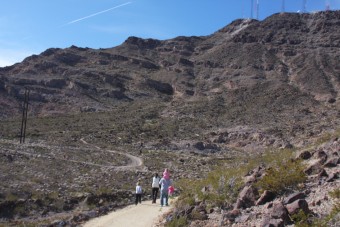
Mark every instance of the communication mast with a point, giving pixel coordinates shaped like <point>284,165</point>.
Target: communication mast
<point>251,8</point>
<point>283,6</point>
<point>304,6</point>
<point>257,9</point>
<point>328,5</point>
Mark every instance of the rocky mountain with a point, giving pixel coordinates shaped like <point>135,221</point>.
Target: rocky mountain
<point>288,62</point>
<point>189,103</point>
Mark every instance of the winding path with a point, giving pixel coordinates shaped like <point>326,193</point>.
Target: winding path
<point>135,162</point>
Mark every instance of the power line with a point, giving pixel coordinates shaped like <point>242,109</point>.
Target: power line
<point>24,116</point>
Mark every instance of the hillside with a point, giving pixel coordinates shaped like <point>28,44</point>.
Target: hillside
<point>193,102</point>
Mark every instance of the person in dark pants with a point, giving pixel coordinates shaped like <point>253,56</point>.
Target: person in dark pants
<point>139,192</point>
<point>141,147</point>
<point>155,187</point>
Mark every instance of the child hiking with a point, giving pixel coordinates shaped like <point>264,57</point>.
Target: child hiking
<point>165,183</point>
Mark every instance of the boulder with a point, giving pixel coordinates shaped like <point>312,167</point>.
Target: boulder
<point>247,197</point>
<point>305,155</point>
<point>199,145</point>
<point>296,206</point>
<point>232,215</point>
<point>332,177</point>
<point>321,155</point>
<point>266,197</point>
<point>271,222</point>
<point>278,211</point>
<point>322,173</point>
<point>314,168</point>
<point>293,197</point>
<point>333,162</point>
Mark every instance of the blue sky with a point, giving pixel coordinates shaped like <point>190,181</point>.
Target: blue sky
<point>31,26</point>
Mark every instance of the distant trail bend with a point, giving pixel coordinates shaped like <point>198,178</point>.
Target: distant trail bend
<point>135,162</point>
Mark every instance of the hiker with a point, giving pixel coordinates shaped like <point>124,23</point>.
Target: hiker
<point>155,187</point>
<point>141,147</point>
<point>139,192</point>
<point>171,191</point>
<point>165,183</point>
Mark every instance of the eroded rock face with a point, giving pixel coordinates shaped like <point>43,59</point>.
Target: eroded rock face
<point>242,63</point>
<point>161,87</point>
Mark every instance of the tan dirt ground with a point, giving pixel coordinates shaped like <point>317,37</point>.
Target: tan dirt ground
<point>145,214</point>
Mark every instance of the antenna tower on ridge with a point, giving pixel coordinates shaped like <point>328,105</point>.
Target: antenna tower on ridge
<point>283,6</point>
<point>251,8</point>
<point>328,5</point>
<point>257,9</point>
<point>304,6</point>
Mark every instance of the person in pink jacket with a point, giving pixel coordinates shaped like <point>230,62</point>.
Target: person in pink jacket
<point>165,183</point>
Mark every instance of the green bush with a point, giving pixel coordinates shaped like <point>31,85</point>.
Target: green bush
<point>335,194</point>
<point>224,184</point>
<point>282,176</point>
<point>222,187</point>
<point>177,222</point>
<point>301,219</point>
<point>333,217</point>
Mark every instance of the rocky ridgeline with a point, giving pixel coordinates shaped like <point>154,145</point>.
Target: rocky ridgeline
<point>291,51</point>
<point>267,209</point>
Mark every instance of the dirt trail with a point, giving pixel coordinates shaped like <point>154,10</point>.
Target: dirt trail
<point>142,215</point>
<point>135,162</point>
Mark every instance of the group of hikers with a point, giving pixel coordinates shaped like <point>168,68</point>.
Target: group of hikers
<point>164,185</point>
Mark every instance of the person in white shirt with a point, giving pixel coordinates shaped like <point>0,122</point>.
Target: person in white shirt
<point>139,192</point>
<point>155,187</point>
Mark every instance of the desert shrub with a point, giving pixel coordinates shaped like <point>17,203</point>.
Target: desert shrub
<point>334,217</point>
<point>195,215</point>
<point>301,219</point>
<point>219,188</point>
<point>11,197</point>
<point>324,138</point>
<point>177,222</point>
<point>20,210</point>
<point>282,176</point>
<point>223,185</point>
<point>335,194</point>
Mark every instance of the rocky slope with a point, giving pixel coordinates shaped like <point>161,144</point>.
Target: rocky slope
<point>285,60</point>
<point>193,102</point>
<point>311,204</point>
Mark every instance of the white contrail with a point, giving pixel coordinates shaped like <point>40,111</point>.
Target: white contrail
<point>95,14</point>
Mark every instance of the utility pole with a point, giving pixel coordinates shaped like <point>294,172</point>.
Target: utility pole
<point>24,116</point>
<point>257,9</point>
<point>328,5</point>
<point>304,6</point>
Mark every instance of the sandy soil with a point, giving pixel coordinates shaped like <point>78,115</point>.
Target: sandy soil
<point>141,215</point>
